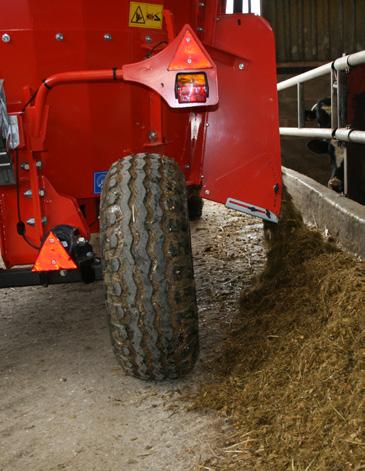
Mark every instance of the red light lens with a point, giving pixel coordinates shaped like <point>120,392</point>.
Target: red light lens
<point>191,88</point>
<point>189,55</point>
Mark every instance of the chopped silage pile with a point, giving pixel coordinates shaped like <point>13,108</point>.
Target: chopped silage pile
<point>290,375</point>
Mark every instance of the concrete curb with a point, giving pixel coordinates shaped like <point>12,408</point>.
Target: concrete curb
<point>344,219</point>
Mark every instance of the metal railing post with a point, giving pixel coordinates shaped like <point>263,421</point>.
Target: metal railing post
<point>341,121</point>
<point>300,100</point>
<point>334,121</point>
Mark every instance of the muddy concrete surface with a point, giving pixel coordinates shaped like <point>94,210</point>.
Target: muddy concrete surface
<point>64,402</point>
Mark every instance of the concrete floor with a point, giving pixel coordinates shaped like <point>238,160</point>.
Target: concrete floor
<point>64,402</point>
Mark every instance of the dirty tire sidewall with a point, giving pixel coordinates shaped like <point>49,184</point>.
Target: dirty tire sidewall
<point>148,269</point>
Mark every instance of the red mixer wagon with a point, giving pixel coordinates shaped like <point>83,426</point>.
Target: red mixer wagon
<point>118,117</point>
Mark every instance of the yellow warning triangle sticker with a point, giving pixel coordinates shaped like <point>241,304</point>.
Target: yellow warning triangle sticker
<point>138,17</point>
<point>145,15</point>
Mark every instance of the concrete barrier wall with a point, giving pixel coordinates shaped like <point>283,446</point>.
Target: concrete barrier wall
<point>343,218</point>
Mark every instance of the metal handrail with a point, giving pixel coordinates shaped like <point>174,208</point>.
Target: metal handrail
<point>341,134</point>
<point>343,63</point>
<point>337,131</point>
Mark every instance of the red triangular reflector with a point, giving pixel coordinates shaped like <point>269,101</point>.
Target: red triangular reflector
<point>53,256</point>
<point>190,55</point>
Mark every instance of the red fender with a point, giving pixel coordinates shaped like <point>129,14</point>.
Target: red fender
<point>242,164</point>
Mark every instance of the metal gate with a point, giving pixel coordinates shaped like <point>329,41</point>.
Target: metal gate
<point>339,71</point>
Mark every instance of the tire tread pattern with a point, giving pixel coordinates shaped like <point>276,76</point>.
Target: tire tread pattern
<point>148,270</point>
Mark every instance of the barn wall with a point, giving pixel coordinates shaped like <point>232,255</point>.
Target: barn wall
<point>315,31</point>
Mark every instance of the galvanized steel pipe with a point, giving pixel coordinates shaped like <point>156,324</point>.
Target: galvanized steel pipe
<point>339,64</point>
<point>341,134</point>
<point>311,74</point>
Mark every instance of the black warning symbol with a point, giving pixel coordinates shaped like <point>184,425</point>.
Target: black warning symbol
<point>153,17</point>
<point>138,17</point>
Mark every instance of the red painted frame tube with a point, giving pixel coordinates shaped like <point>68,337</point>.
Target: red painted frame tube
<point>168,17</point>
<point>83,76</point>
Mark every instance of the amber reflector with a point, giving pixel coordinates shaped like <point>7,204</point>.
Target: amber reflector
<point>53,256</point>
<point>189,55</point>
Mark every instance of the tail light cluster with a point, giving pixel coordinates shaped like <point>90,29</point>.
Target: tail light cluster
<point>190,86</point>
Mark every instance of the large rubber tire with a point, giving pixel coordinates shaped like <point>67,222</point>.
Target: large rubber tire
<point>148,269</point>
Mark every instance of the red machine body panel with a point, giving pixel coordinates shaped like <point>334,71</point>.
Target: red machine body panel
<point>241,162</point>
<point>90,125</point>
<point>232,149</point>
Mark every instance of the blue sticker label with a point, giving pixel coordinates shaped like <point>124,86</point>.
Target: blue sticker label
<point>99,178</point>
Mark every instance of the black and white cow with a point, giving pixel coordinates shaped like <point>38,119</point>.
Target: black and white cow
<point>321,112</point>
